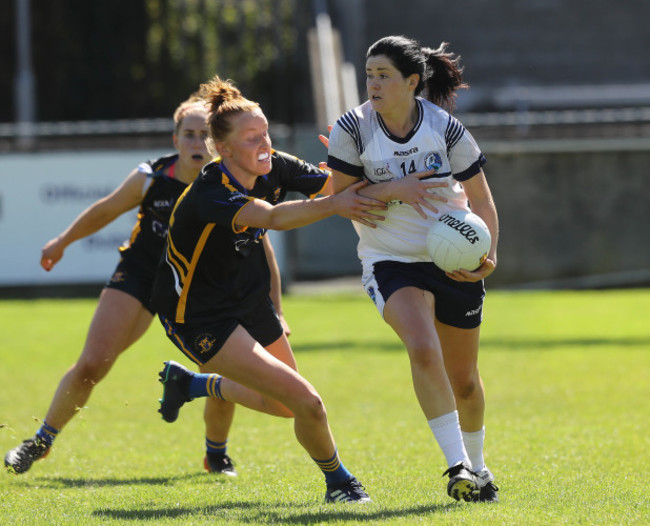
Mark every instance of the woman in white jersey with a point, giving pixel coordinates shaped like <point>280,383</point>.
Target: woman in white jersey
<point>423,163</point>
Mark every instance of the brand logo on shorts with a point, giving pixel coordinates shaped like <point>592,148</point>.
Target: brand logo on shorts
<point>204,342</point>
<point>473,312</point>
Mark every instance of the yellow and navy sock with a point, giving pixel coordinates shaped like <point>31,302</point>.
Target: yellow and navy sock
<point>46,433</point>
<point>218,448</point>
<point>333,469</point>
<point>206,385</point>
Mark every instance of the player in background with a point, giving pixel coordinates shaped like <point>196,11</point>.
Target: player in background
<point>211,292</point>
<point>124,311</point>
<point>423,162</point>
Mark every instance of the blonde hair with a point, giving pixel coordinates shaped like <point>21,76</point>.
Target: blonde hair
<point>224,101</point>
<point>194,104</point>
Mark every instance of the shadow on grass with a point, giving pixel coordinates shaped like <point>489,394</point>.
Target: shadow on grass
<point>514,345</point>
<point>262,513</point>
<point>501,343</point>
<point>66,482</point>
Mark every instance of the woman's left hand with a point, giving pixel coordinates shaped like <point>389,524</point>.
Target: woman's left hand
<point>473,276</point>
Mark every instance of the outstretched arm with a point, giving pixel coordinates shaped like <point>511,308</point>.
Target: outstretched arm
<point>95,217</point>
<point>294,214</point>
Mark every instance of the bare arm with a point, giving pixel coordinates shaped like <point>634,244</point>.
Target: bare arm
<point>125,197</point>
<point>294,214</point>
<point>481,202</point>
<point>360,208</point>
<point>276,282</point>
<point>410,189</point>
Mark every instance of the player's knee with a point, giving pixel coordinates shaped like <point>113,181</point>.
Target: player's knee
<point>311,406</point>
<point>424,355</point>
<point>465,389</point>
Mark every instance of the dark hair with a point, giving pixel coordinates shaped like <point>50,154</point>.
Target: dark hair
<point>439,70</point>
<point>224,101</point>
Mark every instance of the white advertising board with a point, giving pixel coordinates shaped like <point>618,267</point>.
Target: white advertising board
<point>41,194</point>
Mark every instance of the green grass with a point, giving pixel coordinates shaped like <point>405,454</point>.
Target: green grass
<point>566,375</point>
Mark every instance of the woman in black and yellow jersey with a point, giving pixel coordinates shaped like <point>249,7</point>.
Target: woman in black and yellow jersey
<point>124,310</point>
<point>211,292</point>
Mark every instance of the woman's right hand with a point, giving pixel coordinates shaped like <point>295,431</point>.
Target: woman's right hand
<point>51,253</point>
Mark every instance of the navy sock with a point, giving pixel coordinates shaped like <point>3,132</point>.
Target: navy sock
<point>215,447</point>
<point>333,469</point>
<point>206,385</point>
<point>46,433</point>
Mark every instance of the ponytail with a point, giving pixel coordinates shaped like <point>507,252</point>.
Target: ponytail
<point>443,76</point>
<point>224,101</point>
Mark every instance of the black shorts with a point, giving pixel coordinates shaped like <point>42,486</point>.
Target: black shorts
<point>200,342</point>
<point>458,304</point>
<point>135,281</point>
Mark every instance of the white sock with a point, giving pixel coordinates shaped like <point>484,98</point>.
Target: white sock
<point>474,446</point>
<point>446,429</point>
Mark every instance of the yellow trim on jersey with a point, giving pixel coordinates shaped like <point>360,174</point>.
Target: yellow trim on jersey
<point>173,255</point>
<point>137,228</point>
<point>234,219</point>
<point>226,182</point>
<point>177,259</point>
<point>198,249</point>
<point>321,188</point>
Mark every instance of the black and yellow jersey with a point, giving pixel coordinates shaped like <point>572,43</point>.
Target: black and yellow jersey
<point>212,269</point>
<point>149,233</point>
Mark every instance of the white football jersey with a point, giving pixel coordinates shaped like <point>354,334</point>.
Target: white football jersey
<point>360,145</point>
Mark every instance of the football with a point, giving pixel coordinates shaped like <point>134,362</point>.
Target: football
<point>458,239</point>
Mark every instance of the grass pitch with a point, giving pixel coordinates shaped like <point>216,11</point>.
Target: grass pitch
<point>566,376</point>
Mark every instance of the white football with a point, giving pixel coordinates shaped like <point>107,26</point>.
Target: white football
<point>458,239</point>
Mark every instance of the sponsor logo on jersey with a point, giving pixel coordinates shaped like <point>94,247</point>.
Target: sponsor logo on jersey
<point>465,230</point>
<point>235,196</point>
<point>382,174</point>
<point>204,342</point>
<point>433,161</point>
<point>405,153</point>
<point>473,312</point>
<point>163,203</point>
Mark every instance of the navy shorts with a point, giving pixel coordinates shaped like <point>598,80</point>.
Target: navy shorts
<point>200,342</point>
<point>458,304</point>
<point>133,280</point>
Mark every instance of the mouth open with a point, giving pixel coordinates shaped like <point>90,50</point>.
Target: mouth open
<point>197,157</point>
<point>263,156</point>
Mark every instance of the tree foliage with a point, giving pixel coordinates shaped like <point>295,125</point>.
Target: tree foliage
<point>139,58</point>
